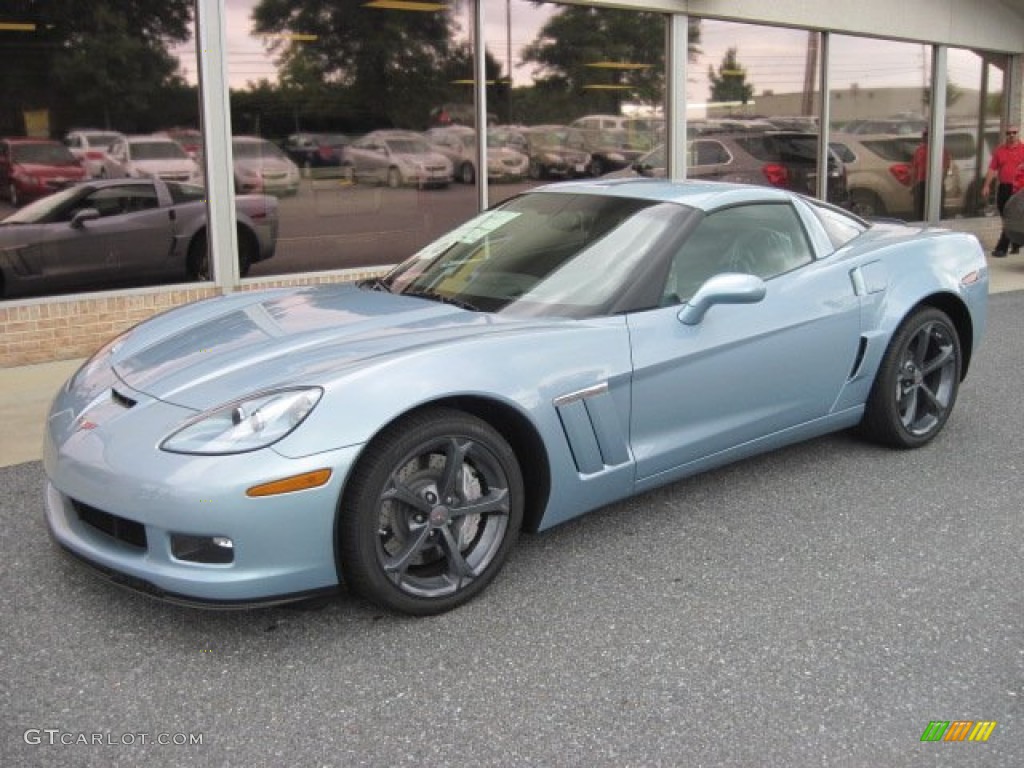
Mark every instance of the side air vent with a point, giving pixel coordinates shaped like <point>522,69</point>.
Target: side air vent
<point>123,400</point>
<point>862,347</point>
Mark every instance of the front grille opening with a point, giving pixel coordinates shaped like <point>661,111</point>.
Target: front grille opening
<point>213,550</point>
<point>127,531</point>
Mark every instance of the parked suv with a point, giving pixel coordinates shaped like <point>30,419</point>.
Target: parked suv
<point>878,169</point>
<point>785,159</point>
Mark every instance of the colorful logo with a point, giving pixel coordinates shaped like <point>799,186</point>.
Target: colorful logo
<point>958,730</point>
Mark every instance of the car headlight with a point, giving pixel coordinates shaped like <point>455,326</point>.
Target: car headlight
<point>244,425</point>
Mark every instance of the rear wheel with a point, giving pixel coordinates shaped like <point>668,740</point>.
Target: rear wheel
<point>13,196</point>
<point>917,382</point>
<point>198,261</point>
<point>433,509</point>
<point>467,174</point>
<point>394,178</point>
<point>866,203</point>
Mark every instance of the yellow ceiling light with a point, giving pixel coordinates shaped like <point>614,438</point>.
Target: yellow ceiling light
<point>618,65</point>
<point>16,26</point>
<point>295,37</point>
<point>405,5</point>
<point>599,87</point>
<point>471,82</point>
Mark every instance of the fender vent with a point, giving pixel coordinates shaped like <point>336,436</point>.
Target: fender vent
<point>123,400</point>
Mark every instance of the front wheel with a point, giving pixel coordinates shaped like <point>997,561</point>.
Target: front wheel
<point>917,382</point>
<point>12,194</point>
<point>433,509</point>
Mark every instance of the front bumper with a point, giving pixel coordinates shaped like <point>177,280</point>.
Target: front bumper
<point>124,507</point>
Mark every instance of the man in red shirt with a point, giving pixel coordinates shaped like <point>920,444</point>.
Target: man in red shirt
<point>1006,158</point>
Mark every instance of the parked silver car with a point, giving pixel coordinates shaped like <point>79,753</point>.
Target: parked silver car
<point>261,166</point>
<point>399,158</point>
<point>120,232</point>
<point>90,146</point>
<point>458,144</point>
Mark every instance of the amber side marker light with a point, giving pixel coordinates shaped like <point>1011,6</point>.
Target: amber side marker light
<point>302,482</point>
<point>971,277</point>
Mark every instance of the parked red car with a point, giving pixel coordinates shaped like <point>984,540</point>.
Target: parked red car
<point>33,168</point>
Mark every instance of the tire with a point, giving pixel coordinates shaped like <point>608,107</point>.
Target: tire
<point>537,171</point>
<point>394,178</point>
<point>13,196</point>
<point>917,382</point>
<point>198,261</point>
<point>867,204</point>
<point>467,174</point>
<point>405,539</point>
<point>596,167</point>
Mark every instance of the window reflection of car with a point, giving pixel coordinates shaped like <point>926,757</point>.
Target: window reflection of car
<point>34,168</point>
<point>113,232</point>
<point>260,166</point>
<point>550,153</point>
<point>319,154</point>
<point>398,158</point>
<point>458,144</point>
<point>90,147</point>
<point>787,160</point>
<point>191,140</point>
<point>158,157</point>
<point>879,174</point>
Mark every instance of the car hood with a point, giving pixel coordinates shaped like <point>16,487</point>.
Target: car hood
<point>212,352</point>
<point>260,164</point>
<point>420,158</point>
<point>166,165</point>
<point>52,171</point>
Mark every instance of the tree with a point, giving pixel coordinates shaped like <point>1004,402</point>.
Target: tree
<point>730,82</point>
<point>106,64</point>
<point>578,48</point>
<point>390,64</point>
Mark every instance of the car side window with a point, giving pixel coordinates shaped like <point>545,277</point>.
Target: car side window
<point>764,239</point>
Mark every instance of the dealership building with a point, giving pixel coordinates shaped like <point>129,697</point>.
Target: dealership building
<point>687,88</point>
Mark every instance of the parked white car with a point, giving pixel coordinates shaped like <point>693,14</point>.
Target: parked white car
<point>157,157</point>
<point>90,146</point>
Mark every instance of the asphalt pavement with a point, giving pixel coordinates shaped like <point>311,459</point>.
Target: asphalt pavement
<point>817,606</point>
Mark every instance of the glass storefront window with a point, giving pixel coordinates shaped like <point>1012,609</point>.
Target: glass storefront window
<point>752,105</point>
<point>879,110</point>
<point>99,108</point>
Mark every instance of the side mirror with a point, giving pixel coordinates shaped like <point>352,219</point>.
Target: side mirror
<point>727,288</point>
<point>80,218</point>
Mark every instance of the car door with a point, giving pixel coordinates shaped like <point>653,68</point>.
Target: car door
<point>744,371</point>
<point>131,238</point>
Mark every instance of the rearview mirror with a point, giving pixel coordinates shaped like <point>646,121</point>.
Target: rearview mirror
<point>726,288</point>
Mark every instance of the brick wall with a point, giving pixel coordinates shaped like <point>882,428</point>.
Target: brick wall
<point>44,330</point>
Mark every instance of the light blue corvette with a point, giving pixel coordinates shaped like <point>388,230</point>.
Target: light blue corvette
<point>573,346</point>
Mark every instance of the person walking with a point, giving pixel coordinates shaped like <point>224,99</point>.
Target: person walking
<point>919,176</point>
<point>1002,169</point>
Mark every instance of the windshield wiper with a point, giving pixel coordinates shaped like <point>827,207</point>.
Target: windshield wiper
<point>374,284</point>
<point>434,296</point>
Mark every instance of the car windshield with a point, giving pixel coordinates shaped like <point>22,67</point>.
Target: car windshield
<point>408,146</point>
<point>43,208</point>
<point>543,254</point>
<point>42,154</point>
<point>101,139</point>
<point>157,150</point>
<point>255,149</point>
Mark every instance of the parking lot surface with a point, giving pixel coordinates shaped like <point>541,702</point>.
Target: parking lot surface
<point>818,606</point>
